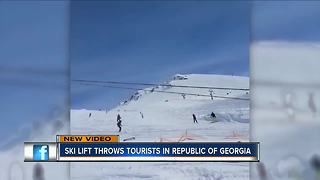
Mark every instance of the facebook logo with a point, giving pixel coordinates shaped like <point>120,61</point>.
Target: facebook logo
<point>41,152</point>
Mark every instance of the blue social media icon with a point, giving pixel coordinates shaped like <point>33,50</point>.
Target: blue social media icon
<point>41,152</point>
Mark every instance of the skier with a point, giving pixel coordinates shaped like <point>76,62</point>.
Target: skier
<point>119,125</point>
<point>194,118</point>
<point>183,96</point>
<point>213,115</point>
<point>118,118</point>
<point>89,114</point>
<point>211,94</point>
<point>141,115</point>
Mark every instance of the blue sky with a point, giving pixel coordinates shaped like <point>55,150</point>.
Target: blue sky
<point>151,41</point>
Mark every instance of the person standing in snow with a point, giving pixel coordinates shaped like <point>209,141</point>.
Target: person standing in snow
<point>89,114</point>
<point>213,115</point>
<point>119,125</point>
<point>141,115</point>
<point>194,118</point>
<point>118,118</point>
<point>211,94</point>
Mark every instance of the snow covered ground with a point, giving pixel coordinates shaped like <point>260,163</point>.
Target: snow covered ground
<point>168,117</point>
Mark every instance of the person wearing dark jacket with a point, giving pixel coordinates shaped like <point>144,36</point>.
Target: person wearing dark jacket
<point>194,118</point>
<point>119,125</point>
<point>118,118</point>
<point>141,115</point>
<point>213,115</point>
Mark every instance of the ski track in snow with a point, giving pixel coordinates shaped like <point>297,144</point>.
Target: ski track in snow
<point>168,117</point>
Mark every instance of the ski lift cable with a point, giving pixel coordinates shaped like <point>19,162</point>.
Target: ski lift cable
<point>280,84</point>
<point>153,84</point>
<point>162,91</point>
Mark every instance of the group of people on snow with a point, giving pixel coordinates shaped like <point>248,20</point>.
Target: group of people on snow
<point>119,121</point>
<point>212,115</point>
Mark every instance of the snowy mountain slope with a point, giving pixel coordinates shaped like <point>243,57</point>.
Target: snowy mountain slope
<point>168,117</point>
